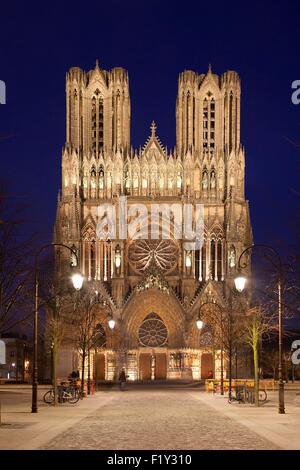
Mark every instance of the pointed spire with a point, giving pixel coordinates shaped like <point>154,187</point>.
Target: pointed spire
<point>209,68</point>
<point>97,64</point>
<point>153,129</point>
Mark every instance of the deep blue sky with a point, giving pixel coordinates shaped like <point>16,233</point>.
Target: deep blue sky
<point>154,41</point>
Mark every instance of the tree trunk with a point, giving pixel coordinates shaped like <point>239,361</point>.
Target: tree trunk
<point>89,373</point>
<point>54,370</point>
<point>256,375</point>
<point>95,370</point>
<point>274,372</point>
<point>230,351</point>
<point>230,373</point>
<point>83,371</point>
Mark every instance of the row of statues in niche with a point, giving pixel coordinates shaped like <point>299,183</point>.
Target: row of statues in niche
<point>206,181</point>
<point>212,180</point>
<point>99,178</point>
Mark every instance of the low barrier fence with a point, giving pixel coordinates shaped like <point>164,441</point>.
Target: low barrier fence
<point>214,385</point>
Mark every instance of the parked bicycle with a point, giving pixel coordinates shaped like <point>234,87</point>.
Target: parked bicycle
<point>247,395</point>
<point>70,393</point>
<point>77,385</point>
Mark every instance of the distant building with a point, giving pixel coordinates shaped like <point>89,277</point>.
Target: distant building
<point>18,358</point>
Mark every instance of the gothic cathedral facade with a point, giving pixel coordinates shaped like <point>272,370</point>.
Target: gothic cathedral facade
<point>153,288</point>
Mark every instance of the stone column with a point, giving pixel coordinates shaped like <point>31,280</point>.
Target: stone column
<point>216,260</point>
<point>89,261</point>
<point>223,254</point>
<point>200,264</point>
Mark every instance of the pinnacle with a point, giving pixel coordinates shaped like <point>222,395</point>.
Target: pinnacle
<point>153,128</point>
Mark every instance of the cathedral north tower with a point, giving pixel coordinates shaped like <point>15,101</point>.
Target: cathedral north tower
<point>98,110</point>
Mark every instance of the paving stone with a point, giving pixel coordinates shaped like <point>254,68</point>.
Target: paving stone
<point>158,420</point>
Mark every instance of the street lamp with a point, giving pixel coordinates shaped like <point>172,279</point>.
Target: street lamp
<point>240,283</point>
<point>199,324</point>
<point>77,280</point>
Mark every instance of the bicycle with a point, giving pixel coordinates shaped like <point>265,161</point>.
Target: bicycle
<point>75,385</point>
<point>69,393</point>
<point>240,396</point>
<point>246,395</point>
<point>262,396</point>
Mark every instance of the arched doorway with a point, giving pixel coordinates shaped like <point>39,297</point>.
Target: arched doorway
<point>207,356</point>
<point>153,308</point>
<point>100,342</point>
<point>153,338</point>
<point>207,365</point>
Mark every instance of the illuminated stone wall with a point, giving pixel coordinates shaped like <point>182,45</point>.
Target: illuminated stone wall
<point>206,167</point>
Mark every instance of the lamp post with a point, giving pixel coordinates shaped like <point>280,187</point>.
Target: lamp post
<point>200,324</point>
<point>240,283</point>
<point>77,280</point>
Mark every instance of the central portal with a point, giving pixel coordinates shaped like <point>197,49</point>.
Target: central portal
<point>160,366</point>
<point>152,366</point>
<point>153,334</point>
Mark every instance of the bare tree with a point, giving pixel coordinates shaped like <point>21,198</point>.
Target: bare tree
<point>58,301</point>
<point>226,334</point>
<point>257,324</point>
<point>292,295</point>
<point>269,361</point>
<point>58,316</point>
<point>15,265</point>
<point>93,309</point>
<point>85,330</point>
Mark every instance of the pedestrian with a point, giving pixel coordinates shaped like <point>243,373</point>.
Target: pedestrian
<point>122,379</point>
<point>74,374</point>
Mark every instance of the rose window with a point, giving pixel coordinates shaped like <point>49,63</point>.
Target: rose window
<point>164,253</point>
<point>152,332</point>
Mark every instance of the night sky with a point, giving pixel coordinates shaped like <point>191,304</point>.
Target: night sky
<point>154,41</point>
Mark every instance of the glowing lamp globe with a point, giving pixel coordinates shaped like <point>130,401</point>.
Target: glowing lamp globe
<point>77,280</point>
<point>240,283</point>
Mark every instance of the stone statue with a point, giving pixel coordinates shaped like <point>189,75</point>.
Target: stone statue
<point>213,180</point>
<point>204,181</point>
<point>101,179</point>
<point>231,257</point>
<point>93,185</point>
